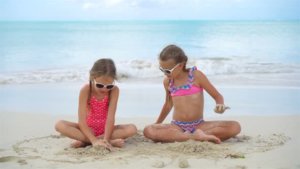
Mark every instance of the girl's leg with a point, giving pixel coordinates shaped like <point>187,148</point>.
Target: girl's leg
<point>165,133</point>
<point>199,135</point>
<point>221,129</point>
<point>171,133</point>
<point>72,130</point>
<point>123,131</point>
<point>120,133</point>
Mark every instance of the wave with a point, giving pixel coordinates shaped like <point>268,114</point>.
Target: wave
<point>144,69</point>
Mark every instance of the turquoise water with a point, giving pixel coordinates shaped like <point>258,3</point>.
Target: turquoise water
<point>38,59</point>
<point>37,52</point>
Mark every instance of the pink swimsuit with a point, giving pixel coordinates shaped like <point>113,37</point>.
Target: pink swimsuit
<point>96,118</point>
<point>186,89</point>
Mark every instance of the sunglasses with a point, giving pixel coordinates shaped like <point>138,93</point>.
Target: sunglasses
<point>168,71</point>
<point>100,85</point>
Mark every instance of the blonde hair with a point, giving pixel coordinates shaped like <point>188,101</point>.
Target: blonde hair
<point>102,67</point>
<point>174,52</point>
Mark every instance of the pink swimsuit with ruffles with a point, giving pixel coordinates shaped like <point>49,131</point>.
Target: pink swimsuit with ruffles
<point>97,115</point>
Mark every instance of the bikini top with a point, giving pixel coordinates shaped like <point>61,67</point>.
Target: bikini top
<point>187,89</point>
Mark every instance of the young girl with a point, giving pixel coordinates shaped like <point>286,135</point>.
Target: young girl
<point>184,91</point>
<point>96,112</point>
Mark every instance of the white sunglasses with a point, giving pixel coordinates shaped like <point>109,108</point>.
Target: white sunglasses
<point>100,85</point>
<point>169,71</point>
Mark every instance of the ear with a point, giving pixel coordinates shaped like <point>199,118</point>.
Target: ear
<point>183,65</point>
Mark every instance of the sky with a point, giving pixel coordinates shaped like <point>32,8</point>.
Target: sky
<point>149,9</point>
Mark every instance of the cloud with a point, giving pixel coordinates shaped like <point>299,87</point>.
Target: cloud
<point>112,3</point>
<point>95,4</point>
<point>149,9</point>
<point>92,4</point>
<point>88,5</point>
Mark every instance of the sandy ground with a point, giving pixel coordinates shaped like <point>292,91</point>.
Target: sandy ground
<point>30,141</point>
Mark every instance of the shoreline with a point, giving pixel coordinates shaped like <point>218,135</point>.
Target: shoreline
<point>284,80</point>
<point>146,99</point>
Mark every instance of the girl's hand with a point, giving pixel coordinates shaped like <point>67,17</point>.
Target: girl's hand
<point>220,108</point>
<point>102,143</point>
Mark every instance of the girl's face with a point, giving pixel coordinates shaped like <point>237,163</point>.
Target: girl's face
<point>170,68</point>
<point>103,84</point>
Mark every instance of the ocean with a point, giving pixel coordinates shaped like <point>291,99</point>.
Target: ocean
<point>255,64</point>
<point>64,51</point>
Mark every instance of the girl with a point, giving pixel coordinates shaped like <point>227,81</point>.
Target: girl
<point>96,111</point>
<point>184,91</point>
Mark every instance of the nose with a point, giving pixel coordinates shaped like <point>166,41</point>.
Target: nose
<point>103,90</point>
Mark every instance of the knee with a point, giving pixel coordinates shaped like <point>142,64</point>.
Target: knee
<point>59,126</point>
<point>131,130</point>
<point>236,128</point>
<point>149,132</point>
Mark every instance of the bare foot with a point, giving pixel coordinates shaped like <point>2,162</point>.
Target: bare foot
<point>117,143</point>
<point>199,135</point>
<point>78,144</point>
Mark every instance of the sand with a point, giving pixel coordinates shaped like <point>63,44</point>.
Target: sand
<point>265,142</point>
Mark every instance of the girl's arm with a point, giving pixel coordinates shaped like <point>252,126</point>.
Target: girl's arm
<point>202,80</point>
<point>110,121</point>
<point>82,113</point>
<point>167,105</point>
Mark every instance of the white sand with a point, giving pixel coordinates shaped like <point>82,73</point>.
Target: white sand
<point>29,141</point>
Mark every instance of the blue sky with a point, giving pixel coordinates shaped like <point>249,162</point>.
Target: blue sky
<point>149,9</point>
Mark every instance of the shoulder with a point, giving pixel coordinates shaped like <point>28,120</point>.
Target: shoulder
<point>114,95</point>
<point>84,92</point>
<point>199,75</point>
<point>85,88</point>
<point>115,91</point>
<point>166,82</point>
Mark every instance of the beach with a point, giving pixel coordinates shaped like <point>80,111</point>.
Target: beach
<point>267,140</point>
<point>44,64</point>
